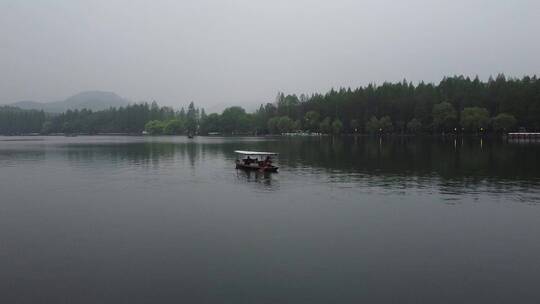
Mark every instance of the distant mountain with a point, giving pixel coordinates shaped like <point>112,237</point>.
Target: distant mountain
<point>27,104</point>
<point>93,100</point>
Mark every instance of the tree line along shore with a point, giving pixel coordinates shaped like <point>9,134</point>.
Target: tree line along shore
<point>456,105</point>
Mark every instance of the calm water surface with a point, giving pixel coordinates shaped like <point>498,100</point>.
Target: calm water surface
<point>169,220</point>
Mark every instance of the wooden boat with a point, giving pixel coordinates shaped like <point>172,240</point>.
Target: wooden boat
<point>253,160</point>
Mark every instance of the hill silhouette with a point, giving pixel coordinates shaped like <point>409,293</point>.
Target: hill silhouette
<point>92,100</point>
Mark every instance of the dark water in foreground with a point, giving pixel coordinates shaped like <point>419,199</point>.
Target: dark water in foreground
<point>168,220</point>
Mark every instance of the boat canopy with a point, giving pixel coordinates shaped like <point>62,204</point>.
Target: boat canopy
<point>255,153</point>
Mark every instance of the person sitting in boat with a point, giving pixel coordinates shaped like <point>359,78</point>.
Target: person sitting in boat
<point>268,161</point>
<point>249,160</point>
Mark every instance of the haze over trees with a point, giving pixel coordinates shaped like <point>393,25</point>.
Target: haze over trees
<point>16,121</point>
<point>456,104</point>
<point>90,100</point>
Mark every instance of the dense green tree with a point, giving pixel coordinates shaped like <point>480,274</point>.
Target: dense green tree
<point>235,120</point>
<point>182,114</point>
<point>297,126</point>
<point>372,125</point>
<point>191,123</point>
<point>154,127</point>
<point>285,124</point>
<point>202,118</point>
<point>414,126</point>
<point>385,124</point>
<point>401,102</point>
<point>337,126</point>
<point>16,121</point>
<point>326,125</point>
<point>155,111</point>
<point>261,117</point>
<point>46,128</point>
<point>129,119</point>
<point>311,121</point>
<point>273,125</point>
<point>503,122</point>
<point>444,116</point>
<point>287,105</point>
<point>210,124</point>
<point>173,127</point>
<point>474,118</point>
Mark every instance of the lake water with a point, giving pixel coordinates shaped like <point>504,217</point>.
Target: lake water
<point>169,220</point>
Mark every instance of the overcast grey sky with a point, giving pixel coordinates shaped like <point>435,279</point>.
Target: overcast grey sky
<point>221,52</point>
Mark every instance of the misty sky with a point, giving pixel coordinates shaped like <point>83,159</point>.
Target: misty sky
<point>242,52</point>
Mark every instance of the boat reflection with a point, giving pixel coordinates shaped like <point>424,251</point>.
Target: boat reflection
<point>265,180</point>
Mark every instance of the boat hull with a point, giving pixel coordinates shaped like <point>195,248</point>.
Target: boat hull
<point>256,167</point>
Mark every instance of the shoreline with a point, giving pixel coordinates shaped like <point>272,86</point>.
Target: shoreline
<point>291,135</point>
